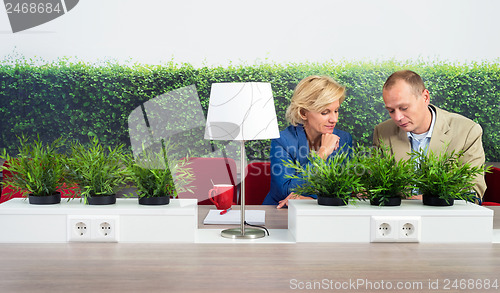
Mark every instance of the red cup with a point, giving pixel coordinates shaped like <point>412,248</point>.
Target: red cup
<point>222,196</point>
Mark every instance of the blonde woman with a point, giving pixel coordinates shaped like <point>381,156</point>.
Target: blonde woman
<point>313,114</point>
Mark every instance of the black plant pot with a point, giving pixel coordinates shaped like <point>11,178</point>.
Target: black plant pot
<point>391,202</point>
<point>331,201</point>
<point>154,201</point>
<point>46,199</point>
<point>430,200</point>
<point>101,199</point>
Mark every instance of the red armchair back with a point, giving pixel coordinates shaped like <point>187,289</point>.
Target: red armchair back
<point>257,182</point>
<point>206,171</point>
<point>492,194</point>
<point>6,190</point>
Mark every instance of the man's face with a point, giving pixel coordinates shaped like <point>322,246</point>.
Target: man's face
<point>409,111</point>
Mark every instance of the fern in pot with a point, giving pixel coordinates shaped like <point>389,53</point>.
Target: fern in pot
<point>443,178</point>
<point>38,171</point>
<point>99,172</point>
<point>385,180</point>
<point>333,180</point>
<point>157,179</point>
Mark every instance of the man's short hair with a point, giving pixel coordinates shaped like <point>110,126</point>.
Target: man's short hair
<point>411,78</point>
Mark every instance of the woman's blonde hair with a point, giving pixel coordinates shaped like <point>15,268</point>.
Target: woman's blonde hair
<point>313,93</point>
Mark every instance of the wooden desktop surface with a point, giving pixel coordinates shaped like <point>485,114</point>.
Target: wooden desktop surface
<point>249,267</point>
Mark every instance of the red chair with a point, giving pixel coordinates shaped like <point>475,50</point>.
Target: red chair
<point>206,171</point>
<point>7,190</point>
<point>489,203</point>
<point>257,182</point>
<point>492,194</point>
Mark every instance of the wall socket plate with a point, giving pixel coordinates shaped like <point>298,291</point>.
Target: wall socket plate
<point>409,229</point>
<point>92,228</point>
<point>105,229</point>
<point>383,229</point>
<point>395,229</point>
<point>79,229</point>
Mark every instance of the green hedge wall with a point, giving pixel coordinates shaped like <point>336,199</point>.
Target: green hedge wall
<point>77,99</point>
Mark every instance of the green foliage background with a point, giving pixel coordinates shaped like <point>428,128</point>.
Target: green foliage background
<point>77,99</point>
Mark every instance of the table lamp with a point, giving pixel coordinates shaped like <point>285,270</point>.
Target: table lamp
<point>241,111</point>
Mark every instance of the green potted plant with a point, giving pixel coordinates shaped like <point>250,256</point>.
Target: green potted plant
<point>443,178</point>
<point>98,171</point>
<point>156,180</point>
<point>333,181</point>
<point>38,171</point>
<point>385,180</point>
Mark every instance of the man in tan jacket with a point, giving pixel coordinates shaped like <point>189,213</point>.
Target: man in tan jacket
<point>417,124</point>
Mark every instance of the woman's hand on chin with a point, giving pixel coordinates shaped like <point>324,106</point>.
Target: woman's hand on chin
<point>329,143</point>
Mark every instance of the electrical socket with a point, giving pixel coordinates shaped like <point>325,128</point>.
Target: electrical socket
<point>395,229</point>
<point>79,229</point>
<point>383,229</point>
<point>409,229</point>
<point>105,229</point>
<point>92,228</point>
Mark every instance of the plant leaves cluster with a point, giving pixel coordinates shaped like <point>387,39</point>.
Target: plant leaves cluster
<point>94,170</point>
<point>97,170</point>
<point>443,175</point>
<point>377,175</point>
<point>383,176</point>
<point>155,176</point>
<point>38,169</point>
<point>335,177</point>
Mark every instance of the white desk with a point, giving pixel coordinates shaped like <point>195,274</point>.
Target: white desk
<point>359,222</point>
<point>130,222</point>
<point>21,222</point>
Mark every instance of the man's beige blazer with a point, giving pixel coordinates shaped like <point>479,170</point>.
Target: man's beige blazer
<point>451,131</point>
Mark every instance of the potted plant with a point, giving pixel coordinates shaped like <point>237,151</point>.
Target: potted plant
<point>98,171</point>
<point>385,180</point>
<point>333,180</point>
<point>156,180</point>
<point>443,178</point>
<point>38,171</point>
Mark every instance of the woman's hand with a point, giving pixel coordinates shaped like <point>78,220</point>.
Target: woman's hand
<point>292,195</point>
<point>329,143</point>
<point>417,196</point>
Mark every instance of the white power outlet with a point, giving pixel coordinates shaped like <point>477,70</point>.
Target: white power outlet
<point>79,229</point>
<point>409,229</point>
<point>395,229</point>
<point>384,229</point>
<point>105,229</point>
<point>92,228</point>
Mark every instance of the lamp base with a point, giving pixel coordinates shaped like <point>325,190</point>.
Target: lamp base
<point>235,233</point>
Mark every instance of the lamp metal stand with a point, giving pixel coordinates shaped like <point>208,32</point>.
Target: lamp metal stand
<point>242,233</point>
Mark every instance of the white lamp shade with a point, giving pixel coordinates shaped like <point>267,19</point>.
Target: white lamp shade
<point>241,111</point>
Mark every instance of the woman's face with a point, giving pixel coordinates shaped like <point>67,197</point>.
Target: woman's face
<point>317,123</point>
